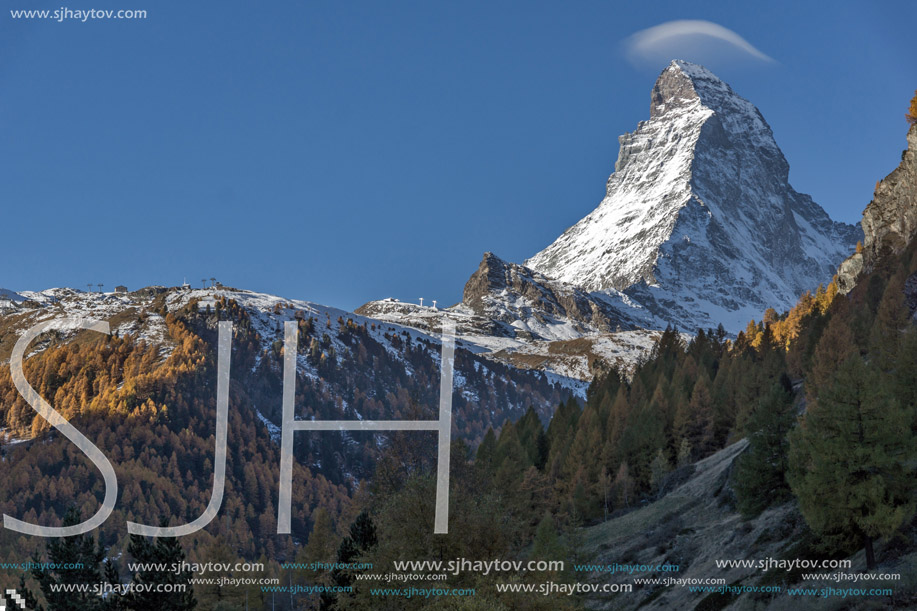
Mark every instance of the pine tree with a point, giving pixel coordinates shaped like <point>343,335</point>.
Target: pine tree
<point>528,429</point>
<point>161,552</point>
<point>586,454</point>
<point>485,453</point>
<point>560,434</point>
<point>904,377</point>
<point>760,473</point>
<point>641,442</point>
<point>547,544</point>
<point>892,316</point>
<point>362,539</point>
<point>581,505</point>
<point>852,461</point>
<point>542,450</point>
<point>659,468</point>
<point>113,600</point>
<point>684,453</point>
<point>694,420</point>
<point>510,458</point>
<point>835,346</point>
<point>322,540</point>
<point>363,532</point>
<point>618,415</point>
<point>31,602</point>
<point>79,550</point>
<point>623,486</point>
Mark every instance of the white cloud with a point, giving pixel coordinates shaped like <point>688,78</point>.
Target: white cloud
<point>689,39</point>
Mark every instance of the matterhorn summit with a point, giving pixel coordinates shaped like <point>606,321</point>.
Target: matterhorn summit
<point>699,223</point>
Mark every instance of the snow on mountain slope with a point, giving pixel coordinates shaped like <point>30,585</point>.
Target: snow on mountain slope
<point>8,295</point>
<point>348,367</point>
<point>518,316</point>
<point>358,359</point>
<point>699,224</point>
<point>569,352</point>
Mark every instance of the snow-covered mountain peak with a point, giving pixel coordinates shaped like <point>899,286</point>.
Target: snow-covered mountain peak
<point>10,295</point>
<point>699,222</point>
<point>683,85</point>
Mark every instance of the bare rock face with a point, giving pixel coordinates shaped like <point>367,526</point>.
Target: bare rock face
<point>848,272</point>
<point>890,219</point>
<point>510,292</point>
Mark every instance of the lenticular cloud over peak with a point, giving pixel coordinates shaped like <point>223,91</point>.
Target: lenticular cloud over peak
<point>691,38</point>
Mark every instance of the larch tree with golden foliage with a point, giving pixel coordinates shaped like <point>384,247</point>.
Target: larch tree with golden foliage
<point>912,111</point>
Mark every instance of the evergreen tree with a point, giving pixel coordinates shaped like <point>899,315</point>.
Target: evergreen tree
<point>835,346</point>
<point>641,442</point>
<point>485,453</point>
<point>560,434</point>
<point>31,603</point>
<point>322,540</point>
<point>547,544</point>
<point>542,449</point>
<point>659,468</point>
<point>528,429</point>
<point>684,453</point>
<point>892,316</point>
<point>623,486</point>
<point>904,376</point>
<point>618,416</point>
<point>167,555</point>
<point>852,461</point>
<point>581,504</point>
<point>510,458</point>
<point>694,420</point>
<point>760,472</point>
<point>363,532</point>
<point>215,595</point>
<point>114,601</point>
<point>79,550</point>
<point>362,539</point>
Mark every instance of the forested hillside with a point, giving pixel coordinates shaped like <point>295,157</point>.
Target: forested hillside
<point>146,396</point>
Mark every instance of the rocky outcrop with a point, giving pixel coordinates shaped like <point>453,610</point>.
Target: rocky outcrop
<point>513,293</point>
<point>849,271</point>
<point>890,219</point>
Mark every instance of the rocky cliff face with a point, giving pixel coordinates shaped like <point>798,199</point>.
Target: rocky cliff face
<point>526,300</point>
<point>890,219</point>
<point>699,223</point>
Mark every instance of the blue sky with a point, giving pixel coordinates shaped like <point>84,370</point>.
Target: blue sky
<point>347,151</point>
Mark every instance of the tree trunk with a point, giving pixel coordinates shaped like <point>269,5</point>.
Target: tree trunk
<point>870,553</point>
